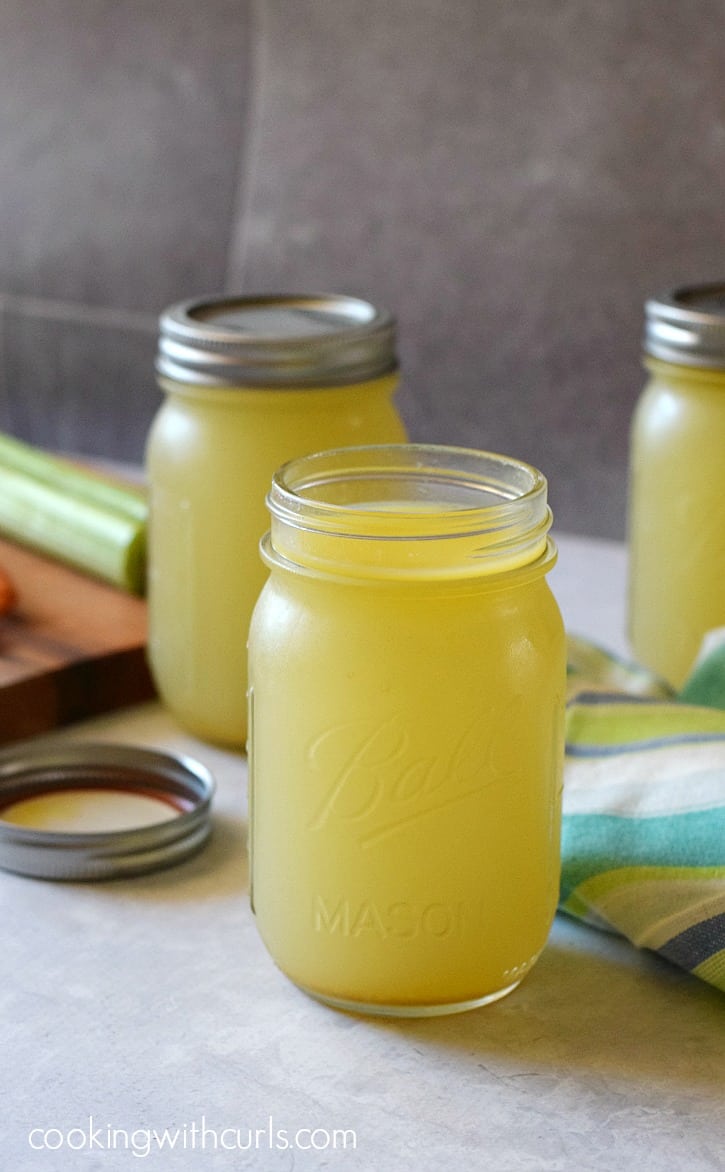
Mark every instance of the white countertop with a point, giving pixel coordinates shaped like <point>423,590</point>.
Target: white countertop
<point>151,1004</point>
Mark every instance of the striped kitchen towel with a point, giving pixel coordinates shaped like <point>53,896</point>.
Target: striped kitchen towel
<point>643,835</point>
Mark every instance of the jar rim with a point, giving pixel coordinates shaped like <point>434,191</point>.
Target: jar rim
<point>490,510</point>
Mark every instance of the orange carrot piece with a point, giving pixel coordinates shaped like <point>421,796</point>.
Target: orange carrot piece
<point>8,595</point>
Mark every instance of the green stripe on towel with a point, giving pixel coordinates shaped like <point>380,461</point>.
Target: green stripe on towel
<point>621,722</point>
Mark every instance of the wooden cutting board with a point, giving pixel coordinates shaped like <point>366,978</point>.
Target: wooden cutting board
<point>73,647</point>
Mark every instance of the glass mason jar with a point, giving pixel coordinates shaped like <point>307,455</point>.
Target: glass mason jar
<point>249,383</point>
<point>677,483</point>
<point>407,676</point>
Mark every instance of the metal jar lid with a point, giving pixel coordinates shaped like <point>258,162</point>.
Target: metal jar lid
<point>281,341</point>
<point>64,810</point>
<point>687,326</point>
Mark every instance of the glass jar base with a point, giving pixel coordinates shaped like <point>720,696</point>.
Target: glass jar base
<point>368,1008</point>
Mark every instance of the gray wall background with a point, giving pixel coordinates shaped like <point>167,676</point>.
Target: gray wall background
<point>511,177</point>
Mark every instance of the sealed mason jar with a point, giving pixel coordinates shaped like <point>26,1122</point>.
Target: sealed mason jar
<point>249,382</point>
<point>677,482</point>
<point>407,675</point>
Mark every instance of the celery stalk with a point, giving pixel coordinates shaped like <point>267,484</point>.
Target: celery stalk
<point>71,480</point>
<point>87,522</point>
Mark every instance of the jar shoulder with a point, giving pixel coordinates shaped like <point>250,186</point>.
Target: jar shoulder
<point>266,428</point>
<point>296,610</point>
<point>688,388</point>
<point>683,415</point>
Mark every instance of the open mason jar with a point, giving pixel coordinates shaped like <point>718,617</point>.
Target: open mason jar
<point>407,679</point>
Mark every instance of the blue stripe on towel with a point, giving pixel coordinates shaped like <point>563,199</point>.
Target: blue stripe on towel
<point>592,699</point>
<point>594,843</point>
<point>575,750</point>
